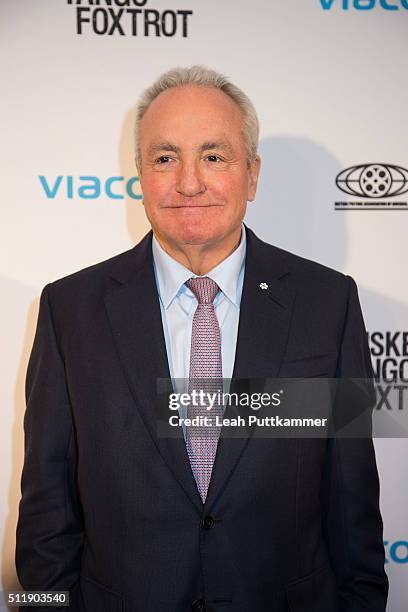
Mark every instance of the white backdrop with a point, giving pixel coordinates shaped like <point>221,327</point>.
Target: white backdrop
<point>331,91</point>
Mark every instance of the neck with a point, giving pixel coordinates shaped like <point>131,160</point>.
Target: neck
<point>201,258</point>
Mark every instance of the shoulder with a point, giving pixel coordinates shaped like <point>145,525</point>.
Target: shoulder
<point>87,285</point>
<point>94,271</point>
<point>299,270</point>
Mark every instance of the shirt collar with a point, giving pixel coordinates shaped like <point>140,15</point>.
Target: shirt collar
<point>171,275</point>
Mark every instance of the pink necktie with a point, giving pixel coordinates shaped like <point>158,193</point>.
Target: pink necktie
<point>205,375</point>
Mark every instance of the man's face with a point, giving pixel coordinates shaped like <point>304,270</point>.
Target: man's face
<point>194,173</point>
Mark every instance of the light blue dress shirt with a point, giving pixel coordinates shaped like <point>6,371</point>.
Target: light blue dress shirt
<point>178,304</point>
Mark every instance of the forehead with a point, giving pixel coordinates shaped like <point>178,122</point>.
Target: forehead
<point>192,113</point>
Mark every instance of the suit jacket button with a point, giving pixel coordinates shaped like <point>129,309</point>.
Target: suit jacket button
<point>208,522</point>
<point>198,605</point>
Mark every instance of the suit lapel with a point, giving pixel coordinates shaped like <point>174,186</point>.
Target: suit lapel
<point>264,322</point>
<point>134,313</point>
<point>133,310</point>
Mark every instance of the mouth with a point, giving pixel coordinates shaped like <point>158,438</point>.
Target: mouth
<point>193,206</point>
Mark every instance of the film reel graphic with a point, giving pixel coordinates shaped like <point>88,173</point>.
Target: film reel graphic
<point>373,180</point>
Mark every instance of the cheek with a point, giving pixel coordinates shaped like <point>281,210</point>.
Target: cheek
<point>233,189</point>
<point>229,184</point>
<point>154,189</point>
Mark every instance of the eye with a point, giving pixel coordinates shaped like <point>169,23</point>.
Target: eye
<point>214,158</point>
<point>163,159</point>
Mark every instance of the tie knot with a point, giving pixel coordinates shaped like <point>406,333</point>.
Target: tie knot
<point>204,288</point>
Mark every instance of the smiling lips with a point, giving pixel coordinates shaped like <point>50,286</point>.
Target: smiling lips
<point>193,206</point>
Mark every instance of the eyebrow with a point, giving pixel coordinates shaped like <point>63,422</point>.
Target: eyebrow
<point>206,146</point>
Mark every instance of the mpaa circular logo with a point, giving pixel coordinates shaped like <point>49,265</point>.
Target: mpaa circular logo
<point>373,180</point>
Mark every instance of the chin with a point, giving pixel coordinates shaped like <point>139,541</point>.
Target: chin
<point>194,226</point>
<point>195,229</point>
<point>195,234</point>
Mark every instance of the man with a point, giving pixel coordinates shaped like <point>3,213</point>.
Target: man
<point>126,519</point>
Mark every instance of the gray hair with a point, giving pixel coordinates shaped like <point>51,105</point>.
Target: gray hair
<point>201,77</point>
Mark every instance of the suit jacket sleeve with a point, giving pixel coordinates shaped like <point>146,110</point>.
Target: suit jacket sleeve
<point>350,493</point>
<point>49,534</point>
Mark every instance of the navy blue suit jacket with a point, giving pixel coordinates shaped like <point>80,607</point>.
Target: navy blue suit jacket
<point>110,510</point>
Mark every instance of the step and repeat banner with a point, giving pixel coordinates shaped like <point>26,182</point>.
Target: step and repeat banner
<point>329,81</point>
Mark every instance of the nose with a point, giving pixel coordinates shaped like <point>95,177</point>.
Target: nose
<point>189,181</point>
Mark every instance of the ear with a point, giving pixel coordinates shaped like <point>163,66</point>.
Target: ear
<point>253,177</point>
<point>138,173</point>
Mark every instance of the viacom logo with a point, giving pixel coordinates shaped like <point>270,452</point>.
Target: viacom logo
<point>130,17</point>
<point>375,182</point>
<point>396,552</point>
<point>364,5</point>
<point>88,187</point>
